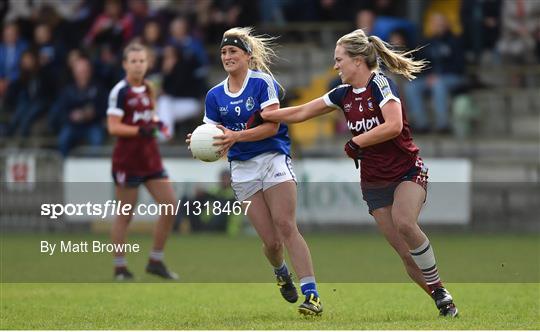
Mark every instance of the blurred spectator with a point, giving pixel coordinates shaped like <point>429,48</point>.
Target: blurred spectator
<point>382,26</point>
<point>520,30</point>
<point>190,46</point>
<point>29,95</point>
<point>11,49</point>
<point>111,27</point>
<point>271,11</point>
<point>481,20</point>
<point>107,68</point>
<point>365,20</point>
<point>226,14</point>
<point>56,120</point>
<point>399,40</point>
<point>153,39</point>
<point>64,75</point>
<point>181,89</point>
<point>139,13</point>
<point>445,54</point>
<point>77,16</point>
<point>50,53</point>
<point>82,106</point>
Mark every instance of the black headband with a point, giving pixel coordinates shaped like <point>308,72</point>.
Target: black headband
<point>235,41</point>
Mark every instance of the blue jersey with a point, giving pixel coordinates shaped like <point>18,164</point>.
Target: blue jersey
<point>232,110</point>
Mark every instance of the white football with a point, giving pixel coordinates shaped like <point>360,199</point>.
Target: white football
<point>202,140</point>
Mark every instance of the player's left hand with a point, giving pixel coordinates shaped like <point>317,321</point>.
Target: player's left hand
<point>226,140</point>
<point>255,120</point>
<point>353,151</point>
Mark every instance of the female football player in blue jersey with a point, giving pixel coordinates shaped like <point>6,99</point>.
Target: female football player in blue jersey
<point>136,159</point>
<point>261,169</point>
<point>393,176</point>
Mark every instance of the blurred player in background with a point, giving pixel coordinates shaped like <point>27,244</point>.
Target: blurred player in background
<point>261,167</point>
<point>136,158</point>
<point>393,176</point>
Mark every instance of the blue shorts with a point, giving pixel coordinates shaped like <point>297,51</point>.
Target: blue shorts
<point>379,197</point>
<point>126,180</point>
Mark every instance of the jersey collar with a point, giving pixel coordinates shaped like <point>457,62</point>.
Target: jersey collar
<point>236,94</point>
<point>362,89</point>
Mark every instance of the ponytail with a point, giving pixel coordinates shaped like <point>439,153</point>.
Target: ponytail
<point>261,49</point>
<point>373,48</point>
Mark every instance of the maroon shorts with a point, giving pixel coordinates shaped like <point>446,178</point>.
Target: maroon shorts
<point>378,197</point>
<point>127,180</point>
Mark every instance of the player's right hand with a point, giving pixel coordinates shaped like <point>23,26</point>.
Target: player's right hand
<point>255,120</point>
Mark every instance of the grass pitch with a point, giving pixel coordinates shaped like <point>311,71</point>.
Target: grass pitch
<point>259,306</point>
<point>226,284</point>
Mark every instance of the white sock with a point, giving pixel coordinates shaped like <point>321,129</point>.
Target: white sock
<point>424,257</point>
<point>307,280</point>
<point>156,255</point>
<point>120,261</point>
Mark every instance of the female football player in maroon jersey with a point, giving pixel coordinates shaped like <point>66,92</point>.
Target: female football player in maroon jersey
<point>136,159</point>
<point>393,176</point>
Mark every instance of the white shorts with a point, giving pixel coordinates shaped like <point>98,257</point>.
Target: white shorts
<point>260,173</point>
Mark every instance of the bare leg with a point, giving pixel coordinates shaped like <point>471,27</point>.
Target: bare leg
<point>125,195</point>
<point>383,216</point>
<point>408,200</point>
<point>163,193</point>
<point>261,219</point>
<point>281,200</point>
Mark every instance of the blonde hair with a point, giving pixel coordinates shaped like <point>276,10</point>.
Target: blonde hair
<point>373,48</point>
<point>134,47</point>
<point>261,46</point>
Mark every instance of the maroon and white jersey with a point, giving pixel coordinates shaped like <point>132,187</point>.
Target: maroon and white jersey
<point>387,161</point>
<point>136,156</point>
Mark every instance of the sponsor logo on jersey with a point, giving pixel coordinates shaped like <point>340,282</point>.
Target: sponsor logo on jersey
<point>223,110</point>
<point>250,103</point>
<point>370,104</point>
<point>364,125</point>
<point>145,116</point>
<point>347,107</point>
<point>133,101</point>
<point>236,102</point>
<point>145,101</point>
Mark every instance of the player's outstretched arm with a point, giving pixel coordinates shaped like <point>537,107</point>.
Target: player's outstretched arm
<point>296,114</point>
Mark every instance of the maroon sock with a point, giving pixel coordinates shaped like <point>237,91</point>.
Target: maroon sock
<point>434,286</point>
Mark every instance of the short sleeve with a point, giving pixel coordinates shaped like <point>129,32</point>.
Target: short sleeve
<point>115,103</point>
<point>211,110</point>
<point>268,92</point>
<point>334,98</point>
<point>384,90</point>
